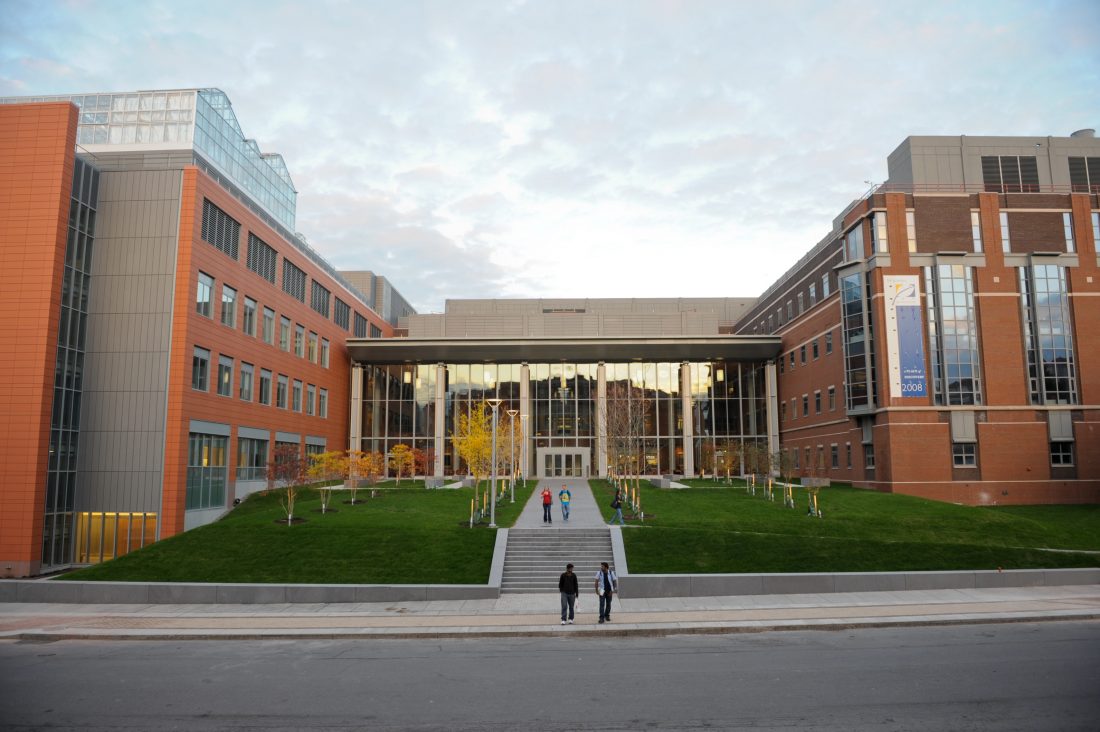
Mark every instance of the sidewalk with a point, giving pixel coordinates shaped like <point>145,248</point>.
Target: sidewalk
<point>538,615</point>
<point>583,512</point>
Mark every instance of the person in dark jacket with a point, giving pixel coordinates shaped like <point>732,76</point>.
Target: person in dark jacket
<point>567,585</point>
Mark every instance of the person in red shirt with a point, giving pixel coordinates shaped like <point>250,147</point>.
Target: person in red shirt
<point>547,499</point>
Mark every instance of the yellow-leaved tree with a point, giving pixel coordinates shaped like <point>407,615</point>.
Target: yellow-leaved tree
<point>401,460</point>
<point>473,440</point>
<point>326,469</point>
<point>363,466</point>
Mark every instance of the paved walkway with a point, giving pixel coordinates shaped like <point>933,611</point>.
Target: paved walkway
<point>534,615</point>
<point>583,512</point>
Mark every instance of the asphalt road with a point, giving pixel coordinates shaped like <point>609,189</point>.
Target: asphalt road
<point>1042,676</point>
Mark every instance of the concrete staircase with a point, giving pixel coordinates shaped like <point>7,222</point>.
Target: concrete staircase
<point>535,558</point>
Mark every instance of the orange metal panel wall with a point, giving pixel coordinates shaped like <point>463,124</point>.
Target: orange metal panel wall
<point>37,144</point>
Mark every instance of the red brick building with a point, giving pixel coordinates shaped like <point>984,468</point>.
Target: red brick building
<point>941,340</point>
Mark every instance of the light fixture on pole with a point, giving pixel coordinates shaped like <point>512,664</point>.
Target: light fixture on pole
<point>523,448</point>
<point>495,404</point>
<point>512,443</point>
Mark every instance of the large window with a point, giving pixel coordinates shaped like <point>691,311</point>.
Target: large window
<point>251,459</point>
<point>319,297</point>
<point>1048,335</point>
<point>269,326</point>
<point>225,376</point>
<point>294,280</point>
<point>953,335</point>
<point>296,396</point>
<point>261,258</point>
<point>248,320</point>
<point>322,403</point>
<point>284,333</point>
<point>220,229</point>
<point>360,326</point>
<point>853,244</point>
<point>341,313</point>
<point>246,381</point>
<point>857,351</point>
<point>299,340</point>
<point>229,306</point>
<point>311,398</point>
<point>203,294</point>
<point>200,369</point>
<point>280,391</point>
<point>311,347</point>
<point>324,352</point>
<point>265,386</point>
<point>206,471</point>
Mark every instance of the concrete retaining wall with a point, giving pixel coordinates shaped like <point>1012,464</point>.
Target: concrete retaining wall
<point>715,585</point>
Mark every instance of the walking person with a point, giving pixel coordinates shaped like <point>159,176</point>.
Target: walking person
<point>547,499</point>
<point>569,588</point>
<point>607,584</point>
<point>564,496</point>
<point>617,504</point>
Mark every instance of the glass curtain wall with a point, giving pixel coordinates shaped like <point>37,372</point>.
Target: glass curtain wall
<point>728,405</point>
<point>953,335</point>
<point>1048,335</point>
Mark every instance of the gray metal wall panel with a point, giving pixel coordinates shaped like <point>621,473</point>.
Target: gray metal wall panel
<point>130,309</point>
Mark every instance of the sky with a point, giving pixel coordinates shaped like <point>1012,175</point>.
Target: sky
<point>560,148</point>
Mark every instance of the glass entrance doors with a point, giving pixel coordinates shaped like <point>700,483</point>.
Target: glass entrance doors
<point>563,463</point>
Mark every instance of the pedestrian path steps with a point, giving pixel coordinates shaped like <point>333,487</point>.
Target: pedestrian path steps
<point>535,558</point>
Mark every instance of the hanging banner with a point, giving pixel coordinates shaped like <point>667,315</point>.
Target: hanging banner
<point>904,336</point>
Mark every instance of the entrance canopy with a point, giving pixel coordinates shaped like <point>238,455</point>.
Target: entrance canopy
<point>549,349</point>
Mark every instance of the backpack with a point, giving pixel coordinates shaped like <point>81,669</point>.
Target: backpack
<point>615,503</point>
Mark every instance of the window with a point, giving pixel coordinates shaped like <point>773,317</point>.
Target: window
<point>1010,173</point>
<point>311,348</point>
<point>878,232</point>
<point>824,285</point>
<point>322,403</point>
<point>248,320</point>
<point>284,333</point>
<point>296,396</point>
<point>200,369</point>
<point>783,412</point>
<point>206,471</point>
<point>832,398</point>
<point>220,229</point>
<point>280,391</point>
<point>802,354</point>
<point>251,459</point>
<point>1084,175</point>
<point>246,381</point>
<point>1067,225</point>
<point>1048,335</point>
<point>953,335</point>
<point>324,352</point>
<point>858,355</point>
<point>265,387</point>
<point>203,294</point>
<point>299,339</point>
<point>853,244</point>
<point>976,230</point>
<point>360,326</point>
<point>834,456</point>
<point>261,258</point>
<point>225,376</point>
<point>801,303</point>
<point>1061,454</point>
<point>792,359</point>
<point>869,457</point>
<point>1096,229</point>
<point>795,456</point>
<point>815,352</point>
<point>341,312</point>
<point>817,402</point>
<point>911,230</point>
<point>794,408</point>
<point>790,312</point>
<point>813,294</point>
<point>311,397</point>
<point>1006,243</point>
<point>771,324</point>
<point>318,298</point>
<point>848,455</point>
<point>964,455</point>
<point>375,331</point>
<point>828,343</point>
<point>294,281</point>
<point>269,326</point>
<point>805,405</point>
<point>229,306</point>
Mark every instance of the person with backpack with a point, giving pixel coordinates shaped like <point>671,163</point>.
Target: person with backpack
<point>617,504</point>
<point>564,496</point>
<point>547,499</point>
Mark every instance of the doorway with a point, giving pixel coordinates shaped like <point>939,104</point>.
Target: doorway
<point>563,462</point>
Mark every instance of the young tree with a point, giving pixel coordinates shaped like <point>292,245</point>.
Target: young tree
<point>473,440</point>
<point>401,460</point>
<point>287,470</point>
<point>708,458</point>
<point>423,461</point>
<point>626,410</point>
<point>363,466</point>
<point>324,470</point>
<point>783,461</point>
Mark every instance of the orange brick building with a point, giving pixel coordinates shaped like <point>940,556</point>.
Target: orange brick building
<point>166,328</point>
<point>941,340</point>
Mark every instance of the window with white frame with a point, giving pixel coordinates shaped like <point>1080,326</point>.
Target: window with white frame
<point>225,376</point>
<point>203,294</point>
<point>229,306</point>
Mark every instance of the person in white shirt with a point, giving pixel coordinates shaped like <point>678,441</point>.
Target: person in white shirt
<point>607,584</point>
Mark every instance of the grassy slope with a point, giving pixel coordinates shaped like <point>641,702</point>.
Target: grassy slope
<point>404,535</point>
<point>722,529</point>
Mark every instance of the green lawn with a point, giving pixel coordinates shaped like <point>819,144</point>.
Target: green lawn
<point>708,529</point>
<point>405,535</point>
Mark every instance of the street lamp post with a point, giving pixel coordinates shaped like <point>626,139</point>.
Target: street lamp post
<point>523,448</point>
<point>495,404</point>
<point>512,443</point>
